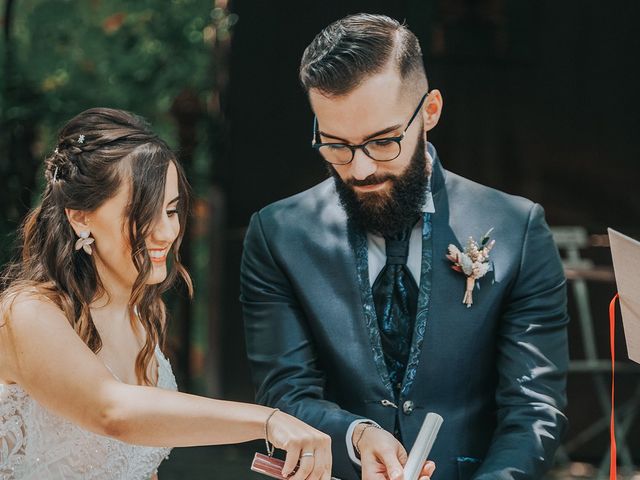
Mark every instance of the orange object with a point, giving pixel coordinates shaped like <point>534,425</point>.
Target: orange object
<point>613,470</point>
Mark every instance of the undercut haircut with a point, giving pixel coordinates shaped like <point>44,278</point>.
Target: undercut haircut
<point>352,49</point>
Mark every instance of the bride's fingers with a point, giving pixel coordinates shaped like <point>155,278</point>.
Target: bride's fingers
<point>306,464</point>
<point>305,445</point>
<point>290,461</point>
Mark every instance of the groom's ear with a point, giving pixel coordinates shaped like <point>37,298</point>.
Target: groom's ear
<point>431,109</point>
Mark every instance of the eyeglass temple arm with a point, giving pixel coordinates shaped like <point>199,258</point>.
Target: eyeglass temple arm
<point>314,139</point>
<point>415,114</point>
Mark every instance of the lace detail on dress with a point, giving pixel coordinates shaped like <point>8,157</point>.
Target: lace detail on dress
<point>13,405</point>
<point>37,444</point>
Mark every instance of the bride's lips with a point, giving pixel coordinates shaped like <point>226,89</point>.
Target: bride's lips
<point>158,255</point>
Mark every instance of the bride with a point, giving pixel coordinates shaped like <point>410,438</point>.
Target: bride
<point>85,391</point>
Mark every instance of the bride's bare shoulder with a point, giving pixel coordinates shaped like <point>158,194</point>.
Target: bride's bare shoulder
<point>25,313</point>
<point>28,303</point>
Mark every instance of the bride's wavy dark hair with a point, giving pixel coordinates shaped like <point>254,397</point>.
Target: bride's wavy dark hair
<point>98,151</point>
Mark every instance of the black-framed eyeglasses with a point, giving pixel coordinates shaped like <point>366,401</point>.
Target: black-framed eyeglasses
<point>379,149</point>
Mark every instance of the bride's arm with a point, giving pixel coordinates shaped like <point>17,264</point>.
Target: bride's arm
<point>40,351</point>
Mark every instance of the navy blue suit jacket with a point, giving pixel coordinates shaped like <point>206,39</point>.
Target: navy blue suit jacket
<point>496,371</point>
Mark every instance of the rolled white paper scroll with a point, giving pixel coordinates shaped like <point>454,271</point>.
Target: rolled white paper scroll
<point>422,447</point>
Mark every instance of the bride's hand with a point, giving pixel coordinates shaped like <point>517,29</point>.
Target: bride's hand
<point>303,444</point>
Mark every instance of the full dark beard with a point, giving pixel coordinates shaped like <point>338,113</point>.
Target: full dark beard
<point>388,214</point>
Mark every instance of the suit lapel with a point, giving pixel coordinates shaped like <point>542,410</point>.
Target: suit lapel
<point>431,222</point>
<point>358,241</point>
<point>443,280</point>
<point>424,302</point>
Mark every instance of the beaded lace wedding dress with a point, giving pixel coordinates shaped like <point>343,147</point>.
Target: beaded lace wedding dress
<point>37,444</point>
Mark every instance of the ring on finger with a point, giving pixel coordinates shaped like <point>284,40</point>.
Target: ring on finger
<point>308,454</point>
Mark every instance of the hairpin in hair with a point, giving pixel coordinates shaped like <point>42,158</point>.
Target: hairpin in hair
<point>56,150</point>
<point>81,139</point>
<point>55,174</point>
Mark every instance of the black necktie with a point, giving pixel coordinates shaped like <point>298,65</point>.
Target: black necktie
<point>395,295</point>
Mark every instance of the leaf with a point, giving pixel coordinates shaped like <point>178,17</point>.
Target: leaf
<point>488,248</point>
<point>466,264</point>
<point>485,237</point>
<point>113,23</point>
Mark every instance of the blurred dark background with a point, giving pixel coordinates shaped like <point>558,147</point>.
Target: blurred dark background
<point>541,99</point>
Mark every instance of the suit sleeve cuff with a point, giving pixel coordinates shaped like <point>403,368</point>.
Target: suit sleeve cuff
<point>350,449</point>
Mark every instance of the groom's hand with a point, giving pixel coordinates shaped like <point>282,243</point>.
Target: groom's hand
<point>382,456</point>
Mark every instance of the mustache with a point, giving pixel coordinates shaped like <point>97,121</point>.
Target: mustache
<point>370,180</point>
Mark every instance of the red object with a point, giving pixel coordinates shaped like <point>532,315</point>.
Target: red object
<point>269,466</point>
<point>613,469</point>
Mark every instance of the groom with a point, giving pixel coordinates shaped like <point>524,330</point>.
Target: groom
<point>353,313</point>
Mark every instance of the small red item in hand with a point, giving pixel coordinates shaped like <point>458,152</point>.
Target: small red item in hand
<point>269,466</point>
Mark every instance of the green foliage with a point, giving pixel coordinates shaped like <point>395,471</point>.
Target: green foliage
<point>133,55</point>
<point>65,56</point>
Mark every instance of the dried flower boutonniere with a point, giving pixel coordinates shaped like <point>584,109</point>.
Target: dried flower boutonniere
<point>473,262</point>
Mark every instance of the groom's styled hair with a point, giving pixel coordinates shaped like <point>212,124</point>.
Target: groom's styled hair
<point>355,47</point>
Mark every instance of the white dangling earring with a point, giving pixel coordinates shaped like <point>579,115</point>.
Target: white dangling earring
<point>84,242</point>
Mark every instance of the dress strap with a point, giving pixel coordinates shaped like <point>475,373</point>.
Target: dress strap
<point>112,373</point>
<point>159,357</point>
